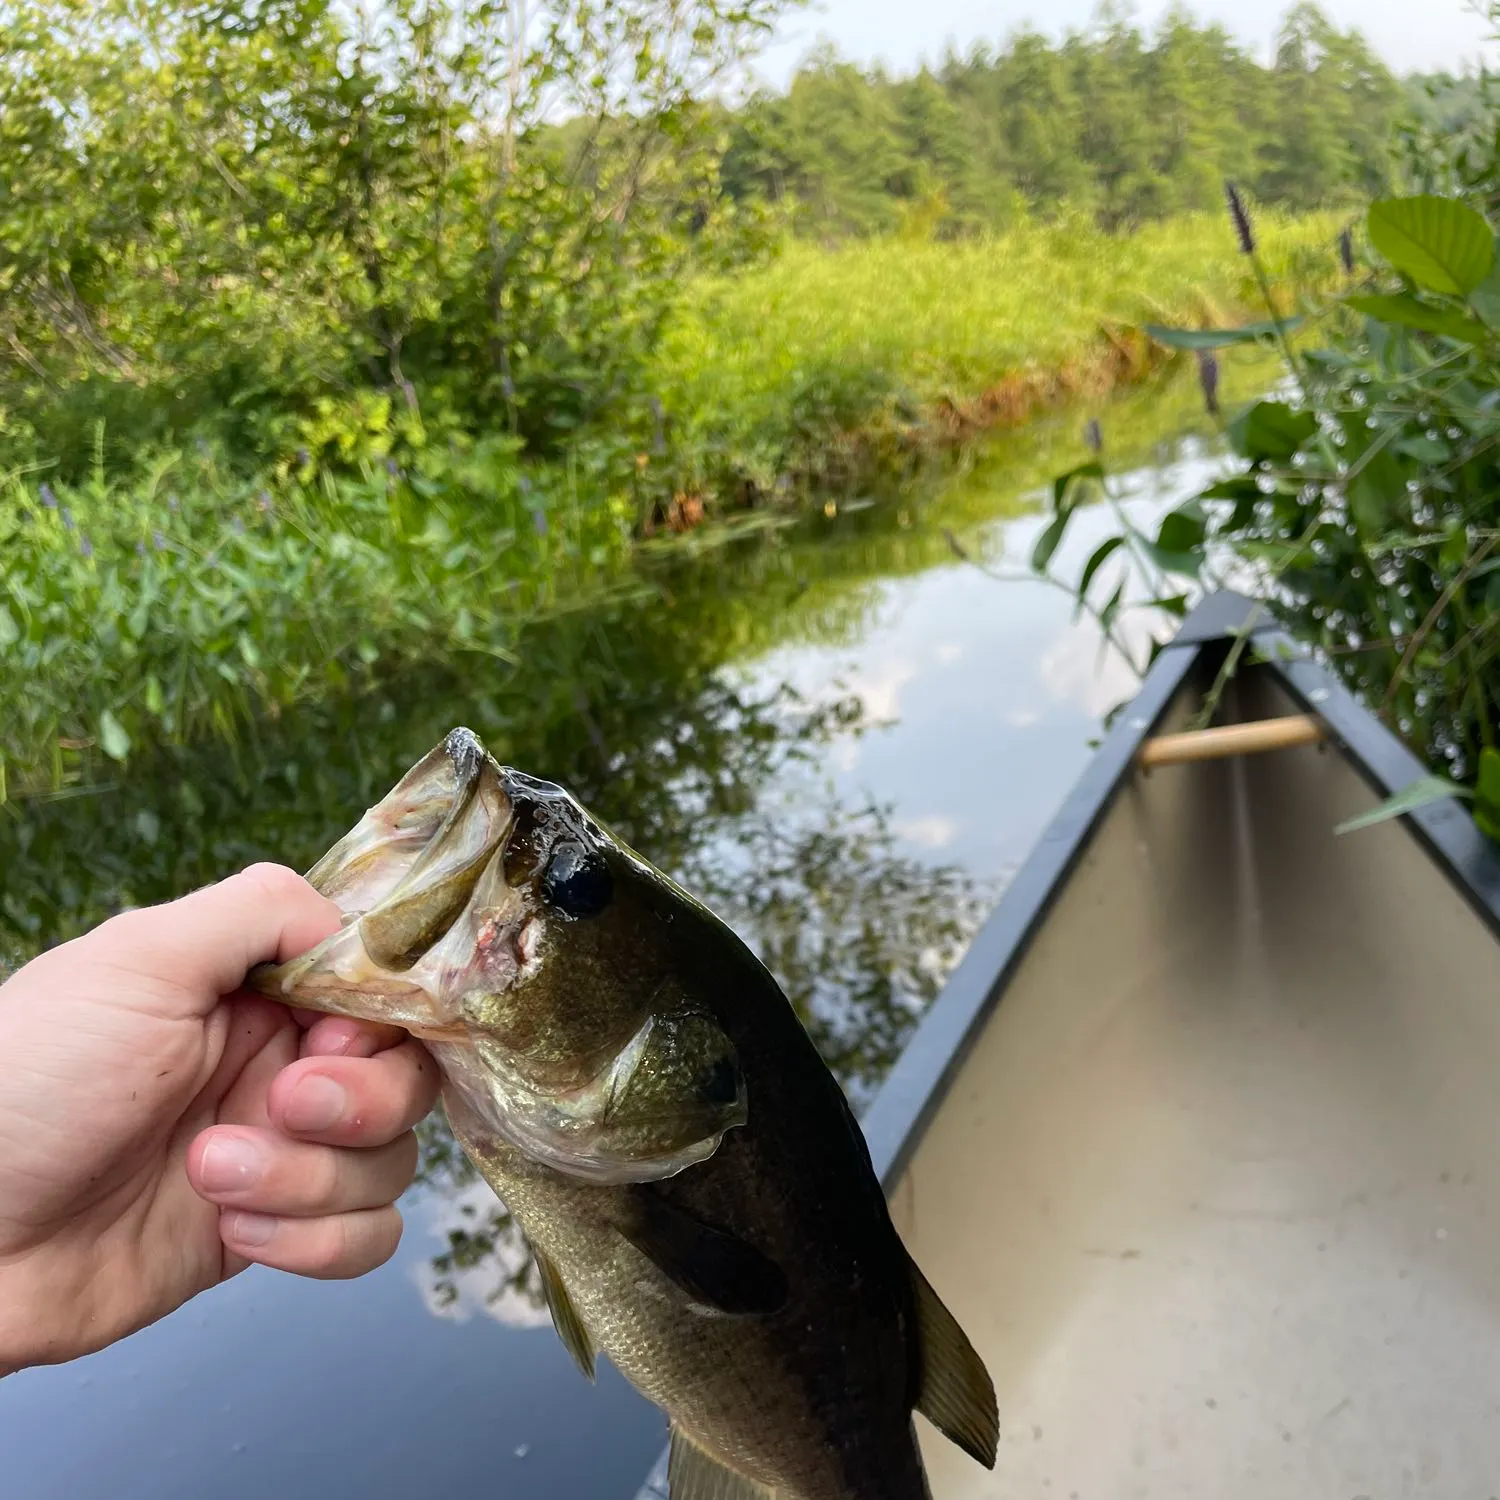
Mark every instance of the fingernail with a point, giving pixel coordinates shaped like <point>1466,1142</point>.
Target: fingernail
<point>316,1103</point>
<point>248,1229</point>
<point>231,1163</point>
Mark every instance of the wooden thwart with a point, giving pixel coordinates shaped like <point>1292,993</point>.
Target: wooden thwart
<point>1231,739</point>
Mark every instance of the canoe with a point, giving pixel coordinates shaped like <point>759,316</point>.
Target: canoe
<point>1201,1141</point>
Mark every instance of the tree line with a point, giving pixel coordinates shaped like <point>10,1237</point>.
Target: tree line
<point>1121,123</point>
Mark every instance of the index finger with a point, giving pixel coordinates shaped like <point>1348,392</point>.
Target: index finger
<point>201,946</point>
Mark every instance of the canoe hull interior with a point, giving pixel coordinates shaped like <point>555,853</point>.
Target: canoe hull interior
<point>1216,1190</point>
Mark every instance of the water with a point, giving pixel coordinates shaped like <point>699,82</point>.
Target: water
<point>845,736</point>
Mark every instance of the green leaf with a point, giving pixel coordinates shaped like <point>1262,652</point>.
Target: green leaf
<point>1422,792</point>
<point>154,700</point>
<point>1408,312</point>
<point>10,632</point>
<point>1110,610</point>
<point>1236,487</point>
<point>1218,338</point>
<point>1271,432</point>
<point>1485,298</point>
<point>1046,543</point>
<point>1440,243</point>
<point>1181,530</point>
<point>1065,486</point>
<point>112,737</point>
<point>1101,555</point>
<point>1487,794</point>
<point>1377,494</point>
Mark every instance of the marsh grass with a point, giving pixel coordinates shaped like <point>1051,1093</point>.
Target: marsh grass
<point>184,601</point>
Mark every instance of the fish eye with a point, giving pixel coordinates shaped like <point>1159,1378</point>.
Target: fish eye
<point>577,882</point>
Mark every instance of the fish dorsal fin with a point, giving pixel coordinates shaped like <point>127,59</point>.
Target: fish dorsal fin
<point>714,1268</point>
<point>565,1317</point>
<point>954,1390</point>
<point>693,1475</point>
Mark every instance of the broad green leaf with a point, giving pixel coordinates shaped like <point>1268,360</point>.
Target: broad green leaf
<point>1408,312</point>
<point>1421,793</point>
<point>1218,338</point>
<point>1440,243</point>
<point>10,632</point>
<point>1184,564</point>
<point>1272,432</point>
<point>112,737</point>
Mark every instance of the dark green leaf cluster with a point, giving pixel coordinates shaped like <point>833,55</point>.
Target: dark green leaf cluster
<point>1366,509</point>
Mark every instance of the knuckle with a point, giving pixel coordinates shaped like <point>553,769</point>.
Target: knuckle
<point>272,879</point>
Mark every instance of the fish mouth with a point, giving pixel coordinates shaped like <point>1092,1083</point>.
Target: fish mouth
<point>406,878</point>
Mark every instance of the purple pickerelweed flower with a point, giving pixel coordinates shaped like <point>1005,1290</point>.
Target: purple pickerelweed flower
<point>1208,378</point>
<point>237,526</point>
<point>158,542</point>
<point>85,546</point>
<point>1241,218</point>
<point>1093,435</point>
<point>1346,250</point>
<point>48,498</point>
<point>393,468</point>
<point>140,549</point>
<point>67,517</point>
<point>539,521</point>
<point>173,504</point>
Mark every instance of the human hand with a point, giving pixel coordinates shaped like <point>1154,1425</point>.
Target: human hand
<point>161,1127</point>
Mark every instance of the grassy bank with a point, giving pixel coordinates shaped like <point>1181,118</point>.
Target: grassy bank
<point>824,355</point>
<point>187,601</point>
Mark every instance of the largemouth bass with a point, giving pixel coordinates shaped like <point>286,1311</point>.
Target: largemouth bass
<point>635,1086</point>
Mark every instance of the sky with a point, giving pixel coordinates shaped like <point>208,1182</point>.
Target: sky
<point>1413,35</point>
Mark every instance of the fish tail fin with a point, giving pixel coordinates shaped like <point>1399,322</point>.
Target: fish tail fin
<point>954,1390</point>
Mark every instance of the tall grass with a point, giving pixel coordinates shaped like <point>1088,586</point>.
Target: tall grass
<point>945,335</point>
<point>185,602</point>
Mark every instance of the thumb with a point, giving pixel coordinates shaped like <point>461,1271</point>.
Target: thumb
<point>203,945</point>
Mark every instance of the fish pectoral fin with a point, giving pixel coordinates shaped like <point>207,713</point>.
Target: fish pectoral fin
<point>565,1317</point>
<point>693,1475</point>
<point>712,1267</point>
<point>954,1390</point>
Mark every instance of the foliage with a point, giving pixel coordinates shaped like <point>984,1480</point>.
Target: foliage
<point>134,617</point>
<point>187,601</point>
<point>290,224</point>
<point>805,364</point>
<point>1113,122</point>
<point>1364,514</point>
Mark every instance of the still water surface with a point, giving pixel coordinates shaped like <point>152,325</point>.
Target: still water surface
<point>846,737</point>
